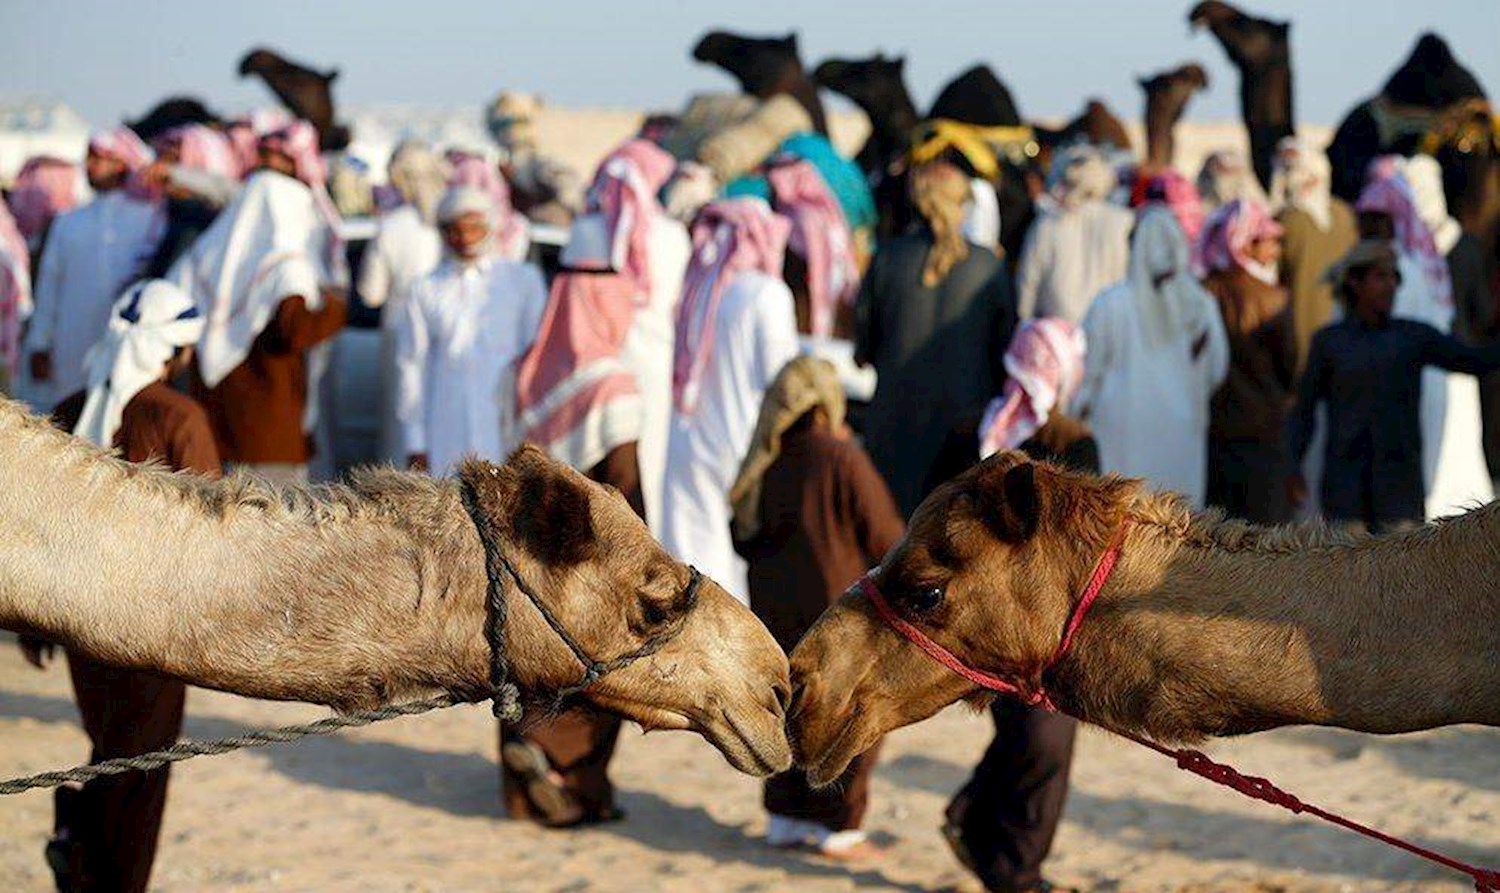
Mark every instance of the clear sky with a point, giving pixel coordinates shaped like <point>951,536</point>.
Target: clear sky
<point>109,58</point>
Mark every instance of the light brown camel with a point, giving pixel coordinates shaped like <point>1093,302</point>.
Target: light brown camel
<point>1207,627</point>
<point>355,596</point>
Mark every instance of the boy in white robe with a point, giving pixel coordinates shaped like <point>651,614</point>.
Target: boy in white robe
<point>457,337</point>
<point>736,328</point>
<point>1157,352</point>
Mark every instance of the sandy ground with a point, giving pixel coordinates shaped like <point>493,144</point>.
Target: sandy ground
<point>411,806</point>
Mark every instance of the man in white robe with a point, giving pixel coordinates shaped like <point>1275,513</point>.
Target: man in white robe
<point>406,248</point>
<point>91,254</point>
<point>1079,247</point>
<point>457,336</point>
<point>1157,352</point>
<point>736,328</point>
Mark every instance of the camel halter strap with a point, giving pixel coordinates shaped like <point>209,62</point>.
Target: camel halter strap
<point>1256,788</point>
<point>506,697</point>
<point>1035,696</point>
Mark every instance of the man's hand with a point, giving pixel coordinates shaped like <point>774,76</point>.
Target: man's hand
<point>1296,489</point>
<point>41,366</point>
<point>417,461</point>
<point>38,652</point>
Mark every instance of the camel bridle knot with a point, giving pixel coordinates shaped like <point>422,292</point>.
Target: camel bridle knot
<point>505,696</point>
<point>1033,695</point>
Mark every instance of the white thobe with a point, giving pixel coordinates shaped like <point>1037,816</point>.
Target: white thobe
<point>92,253</point>
<point>1147,406</point>
<point>648,353</point>
<point>1454,471</point>
<point>1070,256</point>
<point>459,333</point>
<point>405,249</point>
<point>754,335</point>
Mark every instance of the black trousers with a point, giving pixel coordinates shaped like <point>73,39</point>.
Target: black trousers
<point>1005,818</point>
<point>114,821</point>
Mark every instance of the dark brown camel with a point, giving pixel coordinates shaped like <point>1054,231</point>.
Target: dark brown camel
<point>1396,119</point>
<point>172,112</point>
<point>1095,125</point>
<point>764,67</point>
<point>978,96</point>
<point>1167,97</point>
<point>307,93</point>
<point>877,85</point>
<point>1259,48</point>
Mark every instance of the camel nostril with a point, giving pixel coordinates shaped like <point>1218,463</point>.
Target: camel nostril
<point>783,696</point>
<point>795,699</point>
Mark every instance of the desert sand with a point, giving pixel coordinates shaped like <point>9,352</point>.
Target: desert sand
<point>411,806</point>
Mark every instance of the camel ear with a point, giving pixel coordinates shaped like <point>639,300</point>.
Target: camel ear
<point>535,500</point>
<point>900,63</point>
<point>1012,505</point>
<point>790,41</point>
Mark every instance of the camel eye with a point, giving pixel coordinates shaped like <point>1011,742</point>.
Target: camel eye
<point>924,599</point>
<point>653,612</point>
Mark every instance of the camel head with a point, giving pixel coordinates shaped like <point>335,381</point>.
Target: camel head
<point>990,568</point>
<point>592,561</point>
<point>875,84</point>
<point>762,65</point>
<point>267,63</point>
<point>1250,42</point>
<point>1175,87</point>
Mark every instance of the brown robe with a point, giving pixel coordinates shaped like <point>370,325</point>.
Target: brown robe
<point>110,826</point>
<point>1247,461</point>
<point>579,744</point>
<point>1307,253</point>
<point>826,517</point>
<point>257,410</point>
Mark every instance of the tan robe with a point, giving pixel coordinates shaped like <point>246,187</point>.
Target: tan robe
<point>1307,253</point>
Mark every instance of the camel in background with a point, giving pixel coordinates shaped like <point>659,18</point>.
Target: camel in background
<point>360,595</point>
<point>877,85</point>
<point>1207,627</point>
<point>308,94</point>
<point>1260,49</point>
<point>1167,97</point>
<point>170,113</point>
<point>1425,86</point>
<point>764,67</point>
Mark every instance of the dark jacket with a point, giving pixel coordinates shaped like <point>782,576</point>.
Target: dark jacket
<point>1370,377</point>
<point>938,351</point>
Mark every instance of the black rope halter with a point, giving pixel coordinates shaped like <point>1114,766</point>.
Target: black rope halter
<point>506,697</point>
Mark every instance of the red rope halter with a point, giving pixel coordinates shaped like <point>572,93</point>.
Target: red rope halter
<point>1485,880</point>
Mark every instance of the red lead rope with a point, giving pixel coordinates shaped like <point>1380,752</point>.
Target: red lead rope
<point>1485,880</point>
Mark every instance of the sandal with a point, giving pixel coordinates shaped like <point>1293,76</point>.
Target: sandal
<point>556,805</point>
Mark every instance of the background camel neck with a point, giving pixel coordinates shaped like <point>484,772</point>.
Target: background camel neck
<point>1213,639</point>
<point>341,602</point>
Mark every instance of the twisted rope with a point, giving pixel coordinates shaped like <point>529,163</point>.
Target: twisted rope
<point>186,750</point>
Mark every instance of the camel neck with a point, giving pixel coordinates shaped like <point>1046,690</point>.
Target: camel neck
<point>347,601</point>
<point>1199,638</point>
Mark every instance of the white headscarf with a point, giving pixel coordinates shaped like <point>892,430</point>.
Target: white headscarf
<point>1301,178</point>
<point>1159,252</point>
<point>981,224</point>
<point>1425,176</point>
<point>267,245</point>
<point>149,323</point>
<point>1081,174</point>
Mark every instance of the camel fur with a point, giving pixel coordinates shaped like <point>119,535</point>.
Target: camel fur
<point>354,596</point>
<point>1207,627</point>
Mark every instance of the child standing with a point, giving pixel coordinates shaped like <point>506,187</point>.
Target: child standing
<point>811,514</point>
<point>1367,368</point>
